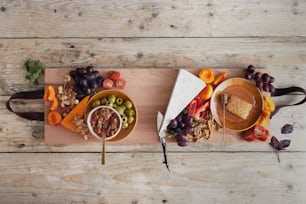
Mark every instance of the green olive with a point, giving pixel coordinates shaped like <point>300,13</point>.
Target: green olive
<point>96,103</point>
<point>108,103</point>
<point>130,119</point>
<point>125,125</point>
<point>119,110</point>
<point>103,101</point>
<point>124,119</point>
<point>128,104</point>
<point>112,98</point>
<point>119,101</point>
<point>129,112</point>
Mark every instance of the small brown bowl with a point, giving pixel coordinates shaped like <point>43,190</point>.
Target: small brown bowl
<point>124,132</point>
<point>244,89</point>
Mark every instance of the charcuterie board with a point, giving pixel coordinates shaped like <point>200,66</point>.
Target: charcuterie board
<point>150,90</point>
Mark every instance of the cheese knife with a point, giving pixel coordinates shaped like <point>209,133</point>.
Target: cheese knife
<point>162,138</point>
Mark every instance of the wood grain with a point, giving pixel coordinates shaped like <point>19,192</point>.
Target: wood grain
<point>286,58</point>
<point>144,18</point>
<point>142,178</point>
<point>143,34</point>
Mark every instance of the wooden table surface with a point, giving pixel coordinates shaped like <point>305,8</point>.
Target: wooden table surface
<point>151,34</point>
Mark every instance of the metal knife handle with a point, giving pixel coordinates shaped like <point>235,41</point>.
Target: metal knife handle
<point>163,142</point>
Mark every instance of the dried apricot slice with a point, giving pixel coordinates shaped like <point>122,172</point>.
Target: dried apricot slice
<point>49,93</point>
<point>207,92</point>
<point>219,78</point>
<point>54,118</point>
<point>206,75</point>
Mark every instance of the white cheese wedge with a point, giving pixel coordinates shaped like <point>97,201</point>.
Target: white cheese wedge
<point>186,88</point>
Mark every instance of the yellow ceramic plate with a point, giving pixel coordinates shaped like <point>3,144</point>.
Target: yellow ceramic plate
<point>102,94</point>
<point>245,90</point>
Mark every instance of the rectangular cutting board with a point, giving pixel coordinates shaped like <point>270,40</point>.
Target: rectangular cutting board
<point>150,88</point>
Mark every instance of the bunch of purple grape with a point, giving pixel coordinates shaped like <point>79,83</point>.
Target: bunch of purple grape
<point>263,80</point>
<point>86,81</point>
<point>180,127</point>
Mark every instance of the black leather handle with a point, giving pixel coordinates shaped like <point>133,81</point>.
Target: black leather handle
<point>285,91</point>
<point>40,115</point>
<point>27,95</point>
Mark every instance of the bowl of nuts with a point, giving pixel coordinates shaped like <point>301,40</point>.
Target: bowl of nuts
<point>104,121</point>
<point>122,104</point>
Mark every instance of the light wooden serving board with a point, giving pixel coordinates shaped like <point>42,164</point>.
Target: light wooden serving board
<point>150,89</point>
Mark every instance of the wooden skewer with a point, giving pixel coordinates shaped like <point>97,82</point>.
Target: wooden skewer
<point>103,151</point>
<point>224,100</point>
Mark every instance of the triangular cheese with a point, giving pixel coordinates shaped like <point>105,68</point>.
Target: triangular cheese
<point>186,88</point>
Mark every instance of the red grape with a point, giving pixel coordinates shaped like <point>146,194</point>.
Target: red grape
<point>266,87</point>
<point>265,78</point>
<point>257,76</point>
<point>248,76</point>
<point>251,69</point>
<point>272,79</point>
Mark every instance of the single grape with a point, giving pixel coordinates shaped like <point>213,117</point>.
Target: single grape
<point>266,87</point>
<point>89,69</point>
<point>272,79</point>
<point>257,76</point>
<point>251,69</point>
<point>248,76</point>
<point>99,80</point>
<point>188,130</point>
<point>93,84</point>
<point>180,136</point>
<point>73,74</point>
<point>259,84</point>
<point>181,125</point>
<point>83,83</point>
<point>77,79</point>
<point>82,70</point>
<point>86,90</point>
<point>179,118</point>
<point>185,112</point>
<point>188,120</point>
<point>89,76</point>
<point>96,73</point>
<point>272,89</point>
<point>77,89</point>
<point>265,78</point>
<point>182,143</point>
<point>173,123</point>
<point>80,96</point>
<point>177,130</point>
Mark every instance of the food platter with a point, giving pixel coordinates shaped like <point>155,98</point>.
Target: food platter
<point>150,89</point>
<point>245,90</point>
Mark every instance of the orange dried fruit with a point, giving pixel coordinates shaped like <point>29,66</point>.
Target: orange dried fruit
<point>264,119</point>
<point>269,104</point>
<point>54,104</point>
<point>219,78</point>
<point>207,92</point>
<point>49,93</point>
<point>54,118</point>
<point>206,75</point>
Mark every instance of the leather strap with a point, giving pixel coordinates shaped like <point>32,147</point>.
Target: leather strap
<point>27,95</point>
<point>285,91</point>
<point>40,115</point>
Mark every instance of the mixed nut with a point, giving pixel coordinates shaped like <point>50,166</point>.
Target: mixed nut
<point>105,122</point>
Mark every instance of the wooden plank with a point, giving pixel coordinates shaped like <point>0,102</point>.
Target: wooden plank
<point>153,52</point>
<point>144,18</point>
<point>142,178</point>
